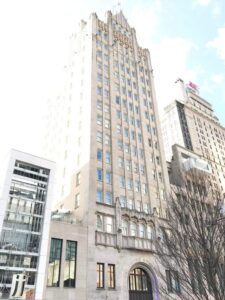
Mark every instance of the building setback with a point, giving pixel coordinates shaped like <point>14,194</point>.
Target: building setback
<point>25,211</point>
<point>111,167</point>
<point>190,122</point>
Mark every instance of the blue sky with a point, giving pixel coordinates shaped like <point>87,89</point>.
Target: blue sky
<point>186,39</point>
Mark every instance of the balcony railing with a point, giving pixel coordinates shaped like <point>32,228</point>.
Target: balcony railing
<point>132,242</point>
<point>105,238</point>
<point>128,242</point>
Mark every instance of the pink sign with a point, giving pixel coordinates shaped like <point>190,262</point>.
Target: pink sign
<point>193,86</point>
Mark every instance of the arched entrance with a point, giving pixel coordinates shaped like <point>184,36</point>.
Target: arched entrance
<point>140,286</point>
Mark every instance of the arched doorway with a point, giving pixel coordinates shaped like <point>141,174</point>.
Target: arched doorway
<point>140,286</point>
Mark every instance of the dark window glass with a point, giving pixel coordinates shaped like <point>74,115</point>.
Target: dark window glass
<point>70,264</point>
<point>54,264</point>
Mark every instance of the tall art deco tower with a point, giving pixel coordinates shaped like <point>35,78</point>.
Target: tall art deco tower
<point>104,132</point>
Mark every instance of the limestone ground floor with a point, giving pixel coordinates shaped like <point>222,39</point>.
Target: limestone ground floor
<point>85,270</point>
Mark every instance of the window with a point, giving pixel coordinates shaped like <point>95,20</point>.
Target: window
<point>106,108</point>
<point>120,162</point>
<point>99,155</point>
<point>138,205</point>
<point>133,229</point>
<point>127,148</point>
<point>109,224</point>
<point>132,134</point>
<point>134,151</point>
<point>139,137</point>
<point>128,165</point>
<point>120,144</point>
<point>122,201</point>
<point>150,232</point>
<point>77,200</point>
<point>99,77</point>
<point>138,123</point>
<point>141,153</point>
<point>107,139</point>
<point>108,177</point>
<point>122,182</point>
<point>129,184</point>
<point>118,128</point>
<point>126,132</point>
<point>130,204</point>
<point>54,264</point>
<point>118,114</point>
<point>141,230</point>
<point>125,227</point>
<point>78,179</point>
<point>99,196</point>
<point>135,167</point>
<point>99,137</point>
<point>144,188</point>
<point>117,100</point>
<point>99,223</point>
<point>70,264</point>
<point>107,123</point>
<point>100,275</point>
<point>99,90</point>
<point>146,208</point>
<point>111,276</point>
<point>108,198</point>
<point>137,186</point>
<point>142,169</point>
<point>173,282</point>
<point>99,174</point>
<point>108,157</point>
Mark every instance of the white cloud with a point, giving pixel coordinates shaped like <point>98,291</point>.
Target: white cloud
<point>146,15</point>
<point>169,56</point>
<point>219,43</point>
<point>216,9</point>
<point>217,78</point>
<point>202,2</point>
<point>170,60</point>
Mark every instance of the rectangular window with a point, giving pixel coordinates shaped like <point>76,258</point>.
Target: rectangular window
<point>54,264</point>
<point>109,224</point>
<point>173,282</point>
<point>70,264</point>
<point>77,200</point>
<point>108,157</point>
<point>99,196</point>
<point>130,204</point>
<point>122,201</point>
<point>99,155</point>
<point>99,90</point>
<point>137,186</point>
<point>139,137</point>
<point>122,182</point>
<point>100,275</point>
<point>108,177</point>
<point>99,174</point>
<point>127,148</point>
<point>108,198</point>
<point>99,119</point>
<point>129,184</point>
<point>111,276</point>
<point>120,162</point>
<point>99,137</point>
<point>78,179</point>
<point>120,144</point>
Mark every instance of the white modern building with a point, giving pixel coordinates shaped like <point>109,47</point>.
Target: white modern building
<point>105,135</point>
<point>190,122</point>
<point>25,212</point>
